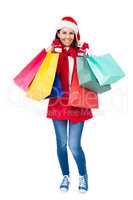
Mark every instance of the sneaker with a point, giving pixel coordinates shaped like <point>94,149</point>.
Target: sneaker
<point>65,184</point>
<point>83,183</point>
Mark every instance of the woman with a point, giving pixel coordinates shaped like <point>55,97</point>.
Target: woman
<point>62,114</point>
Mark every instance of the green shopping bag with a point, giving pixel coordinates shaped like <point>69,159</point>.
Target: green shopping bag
<point>86,77</point>
<point>105,68</point>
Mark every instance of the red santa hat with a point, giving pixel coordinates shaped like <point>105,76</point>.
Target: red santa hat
<point>70,23</point>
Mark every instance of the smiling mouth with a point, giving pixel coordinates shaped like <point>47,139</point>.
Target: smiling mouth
<point>67,40</point>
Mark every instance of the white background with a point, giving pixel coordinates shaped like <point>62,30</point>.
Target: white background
<point>29,168</point>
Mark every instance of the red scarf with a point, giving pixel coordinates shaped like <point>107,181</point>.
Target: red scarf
<point>63,66</point>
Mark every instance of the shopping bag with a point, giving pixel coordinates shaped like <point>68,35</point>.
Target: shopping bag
<point>105,68</point>
<point>87,78</point>
<point>80,96</point>
<point>25,77</point>
<point>41,85</point>
<point>57,90</point>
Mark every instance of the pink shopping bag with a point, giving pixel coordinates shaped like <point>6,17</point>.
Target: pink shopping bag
<point>25,77</point>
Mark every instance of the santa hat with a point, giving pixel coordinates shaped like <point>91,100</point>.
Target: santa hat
<point>70,23</point>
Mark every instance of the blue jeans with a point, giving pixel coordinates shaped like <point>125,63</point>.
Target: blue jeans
<point>74,143</point>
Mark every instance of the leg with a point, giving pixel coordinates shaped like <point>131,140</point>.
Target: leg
<point>61,141</point>
<point>75,133</point>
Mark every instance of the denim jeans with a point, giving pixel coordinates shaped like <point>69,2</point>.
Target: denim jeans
<point>73,137</point>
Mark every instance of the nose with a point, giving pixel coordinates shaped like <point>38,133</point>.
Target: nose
<point>67,36</point>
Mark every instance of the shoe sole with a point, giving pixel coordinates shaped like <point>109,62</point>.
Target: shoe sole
<point>63,189</point>
<point>83,191</point>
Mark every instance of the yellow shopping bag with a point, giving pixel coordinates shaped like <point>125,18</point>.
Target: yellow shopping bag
<point>42,84</point>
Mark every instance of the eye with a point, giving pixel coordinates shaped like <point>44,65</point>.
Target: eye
<point>64,32</point>
<point>71,33</point>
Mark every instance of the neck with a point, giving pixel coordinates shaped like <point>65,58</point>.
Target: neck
<point>67,48</point>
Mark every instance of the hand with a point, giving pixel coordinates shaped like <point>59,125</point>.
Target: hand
<point>56,46</point>
<point>83,48</point>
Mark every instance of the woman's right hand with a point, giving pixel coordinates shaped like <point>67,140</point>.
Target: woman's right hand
<point>56,46</point>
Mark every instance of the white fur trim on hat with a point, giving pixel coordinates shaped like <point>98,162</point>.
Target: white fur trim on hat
<point>68,24</point>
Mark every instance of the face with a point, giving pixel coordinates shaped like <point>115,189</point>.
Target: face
<point>66,36</point>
